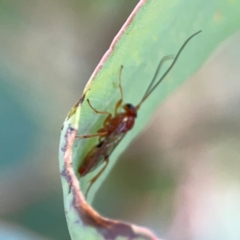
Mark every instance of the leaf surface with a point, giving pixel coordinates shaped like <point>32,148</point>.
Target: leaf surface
<point>154,29</point>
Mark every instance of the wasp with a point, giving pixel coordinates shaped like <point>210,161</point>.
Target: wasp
<point>115,126</point>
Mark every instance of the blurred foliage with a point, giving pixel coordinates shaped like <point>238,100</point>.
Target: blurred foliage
<point>13,132</point>
<point>188,158</point>
<point>46,216</point>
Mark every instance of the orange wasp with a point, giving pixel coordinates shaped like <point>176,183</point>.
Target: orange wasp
<point>117,125</point>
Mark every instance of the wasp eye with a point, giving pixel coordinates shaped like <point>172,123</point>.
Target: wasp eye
<point>130,106</point>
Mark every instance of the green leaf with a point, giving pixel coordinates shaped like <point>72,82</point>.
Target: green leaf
<point>155,29</point>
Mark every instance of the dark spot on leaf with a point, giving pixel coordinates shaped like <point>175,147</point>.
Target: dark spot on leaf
<point>74,109</point>
<point>81,100</point>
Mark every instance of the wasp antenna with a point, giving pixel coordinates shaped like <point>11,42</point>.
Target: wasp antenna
<point>163,60</point>
<point>150,88</point>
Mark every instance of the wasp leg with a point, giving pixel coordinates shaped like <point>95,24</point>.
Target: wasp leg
<point>119,103</point>
<point>96,111</point>
<point>101,112</point>
<point>97,176</point>
<point>102,134</point>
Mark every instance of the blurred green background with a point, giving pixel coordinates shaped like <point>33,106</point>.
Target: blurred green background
<point>180,178</point>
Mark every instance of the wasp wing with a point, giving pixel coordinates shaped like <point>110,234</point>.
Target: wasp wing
<point>100,152</point>
<point>104,149</point>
